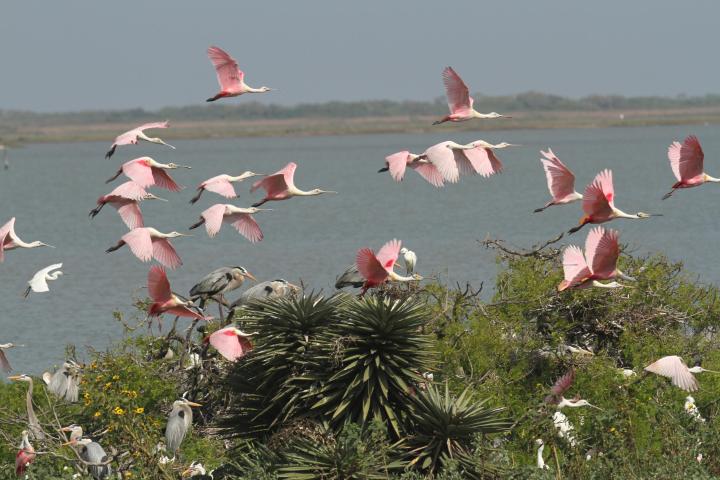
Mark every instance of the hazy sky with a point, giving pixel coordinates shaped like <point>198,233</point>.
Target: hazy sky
<point>90,54</point>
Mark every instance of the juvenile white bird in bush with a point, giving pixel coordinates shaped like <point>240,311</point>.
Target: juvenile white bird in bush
<point>692,409</point>
<point>409,258</point>
<point>540,461</point>
<point>564,427</point>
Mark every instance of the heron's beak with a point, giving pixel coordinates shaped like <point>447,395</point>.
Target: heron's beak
<point>250,276</point>
<point>14,377</point>
<point>384,169</point>
<point>193,404</point>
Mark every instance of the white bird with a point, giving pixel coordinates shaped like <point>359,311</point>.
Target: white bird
<point>676,370</point>
<point>409,258</point>
<point>540,461</point>
<point>38,283</point>
<point>564,427</point>
<point>692,409</point>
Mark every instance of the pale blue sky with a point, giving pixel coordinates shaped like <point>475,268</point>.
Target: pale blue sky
<point>90,54</point>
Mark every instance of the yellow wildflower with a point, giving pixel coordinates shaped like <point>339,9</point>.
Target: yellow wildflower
<point>107,385</point>
<point>118,411</point>
<point>116,377</point>
<point>139,410</point>
<point>97,414</point>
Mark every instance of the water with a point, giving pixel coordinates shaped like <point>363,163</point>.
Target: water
<point>51,188</point>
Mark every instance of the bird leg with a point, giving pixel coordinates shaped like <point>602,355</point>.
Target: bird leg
<point>196,225</point>
<point>116,247</point>
<point>96,210</point>
<point>667,195</point>
<point>188,332</point>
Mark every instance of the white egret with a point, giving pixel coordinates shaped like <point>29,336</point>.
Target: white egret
<point>38,283</point>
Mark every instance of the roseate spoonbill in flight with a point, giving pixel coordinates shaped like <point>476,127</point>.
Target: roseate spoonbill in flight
<point>560,180</point>
<point>125,199</point>
<point>33,422</point>
<point>38,283</point>
<point>602,250</point>
<point>398,162</point>
<point>65,381</point>
<point>131,137</point>
<point>599,203</point>
<point>240,218</point>
<point>563,384</point>
<point>230,342</point>
<point>378,268</point>
<point>222,185</point>
<point>280,186</point>
<point>676,370</point>
<point>146,172</point>
<point>460,101</point>
<point>4,363</point>
<point>410,259</point>
<point>179,423</point>
<point>164,300</point>
<point>147,243</point>
<point>10,241</point>
<point>219,282</point>
<point>25,455</point>
<point>230,77</point>
<point>686,161</point>
<point>351,277</point>
<point>480,158</point>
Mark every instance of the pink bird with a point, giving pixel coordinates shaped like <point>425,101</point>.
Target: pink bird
<point>164,300</point>
<point>222,185</point>
<point>230,77</point>
<point>280,186</point>
<point>240,218</point>
<point>599,203</point>
<point>676,370</point>
<point>147,243</point>
<point>602,250</point>
<point>125,199</point>
<point>25,455</point>
<point>560,180</point>
<point>10,241</point>
<point>230,342</point>
<point>398,162</point>
<point>377,269</point>
<point>131,137</point>
<point>452,159</point>
<point>460,101</point>
<point>686,161</point>
<point>146,172</point>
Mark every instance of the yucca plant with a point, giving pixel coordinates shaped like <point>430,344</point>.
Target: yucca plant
<point>277,380</point>
<point>380,353</point>
<point>354,453</point>
<point>445,426</point>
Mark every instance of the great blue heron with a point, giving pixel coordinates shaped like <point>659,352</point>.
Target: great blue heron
<point>179,423</point>
<point>218,282</point>
<point>409,258</point>
<point>25,454</point>
<point>33,422</point>
<point>90,452</point>
<point>38,283</point>
<point>4,363</point>
<point>350,278</point>
<point>65,381</point>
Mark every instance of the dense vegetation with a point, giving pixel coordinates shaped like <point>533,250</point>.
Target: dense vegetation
<point>338,387</point>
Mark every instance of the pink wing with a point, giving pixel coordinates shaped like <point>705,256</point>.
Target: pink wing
<point>273,185</point>
<point>127,138</point>
<point>150,126</point>
<point>484,161</point>
<point>388,254</point>
<point>229,344</point>
<point>140,243</point>
<point>444,160</point>
<point>4,364</point>
<point>213,218</point>
<point>465,166</point>
<point>246,225</point>
<point>130,190</point>
<point>602,251</point>
<point>457,92</point>
<point>164,253</point>
<point>575,267</point>
<point>674,157</point>
<point>429,172</point>
<point>222,187</point>
<point>229,75</point>
<point>163,180</point>
<point>690,163</point>
<point>138,172</point>
<point>560,180</point>
<point>158,284</point>
<point>674,368</point>
<point>4,234</point>
<point>131,214</point>
<point>397,162</point>
<point>598,199</point>
<point>369,266</point>
<point>182,311</point>
<point>563,383</point>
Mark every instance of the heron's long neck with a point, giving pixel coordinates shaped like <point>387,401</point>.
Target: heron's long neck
<point>32,419</point>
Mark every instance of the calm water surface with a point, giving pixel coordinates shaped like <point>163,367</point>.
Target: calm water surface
<point>51,188</point>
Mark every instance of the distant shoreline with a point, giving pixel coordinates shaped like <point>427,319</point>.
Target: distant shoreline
<point>55,130</point>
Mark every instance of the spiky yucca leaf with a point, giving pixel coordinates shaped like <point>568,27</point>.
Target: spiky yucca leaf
<point>275,381</point>
<point>445,425</point>
<point>381,354</point>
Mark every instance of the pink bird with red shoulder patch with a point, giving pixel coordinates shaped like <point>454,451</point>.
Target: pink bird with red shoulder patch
<point>560,181</point>
<point>686,161</point>
<point>281,186</point>
<point>146,172</point>
<point>377,268</point>
<point>230,77</point>
<point>230,342</point>
<point>164,300</point>
<point>125,199</point>
<point>459,100</point>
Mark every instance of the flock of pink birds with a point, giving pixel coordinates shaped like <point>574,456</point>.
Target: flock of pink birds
<point>439,165</point>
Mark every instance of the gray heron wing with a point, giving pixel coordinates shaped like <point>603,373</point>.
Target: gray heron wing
<point>175,430</point>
